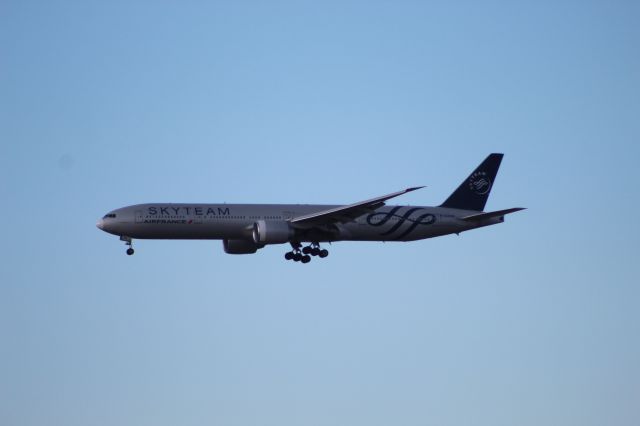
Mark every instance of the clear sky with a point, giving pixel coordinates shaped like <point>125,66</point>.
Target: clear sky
<point>534,321</point>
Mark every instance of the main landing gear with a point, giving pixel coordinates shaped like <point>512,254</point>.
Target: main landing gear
<point>304,254</point>
<point>128,241</point>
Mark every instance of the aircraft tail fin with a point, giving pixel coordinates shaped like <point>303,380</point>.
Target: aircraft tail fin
<point>473,192</point>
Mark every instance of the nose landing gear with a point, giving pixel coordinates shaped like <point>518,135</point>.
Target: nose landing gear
<point>128,241</point>
<point>304,254</point>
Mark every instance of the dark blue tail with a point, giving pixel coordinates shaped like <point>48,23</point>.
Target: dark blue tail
<point>474,191</point>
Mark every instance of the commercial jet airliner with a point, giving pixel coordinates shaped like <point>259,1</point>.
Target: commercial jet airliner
<point>245,228</point>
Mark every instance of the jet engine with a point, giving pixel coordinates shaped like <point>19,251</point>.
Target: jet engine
<point>240,246</point>
<point>272,232</point>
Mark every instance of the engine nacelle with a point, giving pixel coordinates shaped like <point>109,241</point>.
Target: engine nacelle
<point>240,246</point>
<point>272,232</point>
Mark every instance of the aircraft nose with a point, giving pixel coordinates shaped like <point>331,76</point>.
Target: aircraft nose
<point>100,224</point>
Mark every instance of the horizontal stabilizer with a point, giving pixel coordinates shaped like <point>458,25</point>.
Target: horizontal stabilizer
<point>489,215</point>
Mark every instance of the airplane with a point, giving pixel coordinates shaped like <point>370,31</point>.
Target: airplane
<point>246,228</point>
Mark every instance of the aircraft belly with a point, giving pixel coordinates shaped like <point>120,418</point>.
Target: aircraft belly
<point>195,231</point>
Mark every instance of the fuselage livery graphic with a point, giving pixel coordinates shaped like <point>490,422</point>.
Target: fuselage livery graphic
<point>246,228</point>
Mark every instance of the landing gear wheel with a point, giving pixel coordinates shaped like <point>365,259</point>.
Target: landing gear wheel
<point>301,254</point>
<point>128,241</point>
<point>324,253</point>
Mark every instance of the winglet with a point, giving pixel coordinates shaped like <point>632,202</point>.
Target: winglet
<point>414,188</point>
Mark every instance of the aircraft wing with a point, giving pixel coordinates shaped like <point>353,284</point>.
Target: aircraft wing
<point>489,215</point>
<point>347,213</point>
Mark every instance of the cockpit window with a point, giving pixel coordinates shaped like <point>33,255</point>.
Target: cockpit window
<point>112,215</point>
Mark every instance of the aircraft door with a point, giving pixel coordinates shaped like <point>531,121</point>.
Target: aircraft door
<point>139,216</point>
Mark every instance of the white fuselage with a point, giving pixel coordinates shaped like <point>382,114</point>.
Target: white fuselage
<point>236,221</point>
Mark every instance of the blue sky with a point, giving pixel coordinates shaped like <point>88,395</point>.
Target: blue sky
<point>531,322</point>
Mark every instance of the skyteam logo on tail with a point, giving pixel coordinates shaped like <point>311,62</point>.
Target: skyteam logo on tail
<point>479,183</point>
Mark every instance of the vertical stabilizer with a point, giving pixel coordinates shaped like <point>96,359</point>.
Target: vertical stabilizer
<point>473,192</point>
